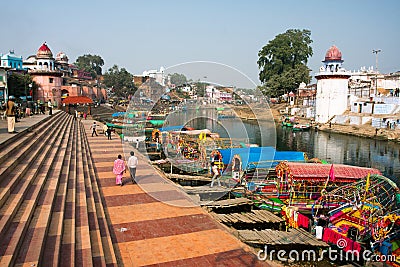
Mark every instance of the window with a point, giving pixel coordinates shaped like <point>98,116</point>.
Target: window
<point>51,80</point>
<point>1,78</point>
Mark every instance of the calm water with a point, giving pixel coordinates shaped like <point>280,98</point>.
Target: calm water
<point>334,148</point>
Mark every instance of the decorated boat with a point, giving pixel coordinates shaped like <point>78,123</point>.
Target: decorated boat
<point>367,214</point>
<point>300,184</point>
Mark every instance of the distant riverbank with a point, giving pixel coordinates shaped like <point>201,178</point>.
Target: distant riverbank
<point>248,113</point>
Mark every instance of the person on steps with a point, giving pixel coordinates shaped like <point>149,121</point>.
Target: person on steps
<point>118,170</point>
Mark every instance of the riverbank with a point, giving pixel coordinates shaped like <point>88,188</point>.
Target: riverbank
<point>366,130</point>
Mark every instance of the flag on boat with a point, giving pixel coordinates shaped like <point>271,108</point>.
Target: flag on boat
<point>332,174</point>
<point>367,186</point>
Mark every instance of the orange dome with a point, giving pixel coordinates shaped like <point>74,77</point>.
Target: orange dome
<point>333,54</point>
<point>44,52</point>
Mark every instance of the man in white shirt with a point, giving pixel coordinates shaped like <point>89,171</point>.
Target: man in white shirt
<point>93,127</point>
<point>50,107</point>
<point>132,164</point>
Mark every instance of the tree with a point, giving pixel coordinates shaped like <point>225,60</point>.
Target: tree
<point>120,80</point>
<point>90,63</point>
<point>283,62</point>
<point>178,79</point>
<point>18,84</point>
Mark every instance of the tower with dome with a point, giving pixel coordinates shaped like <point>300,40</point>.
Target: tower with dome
<point>332,87</point>
<point>46,75</point>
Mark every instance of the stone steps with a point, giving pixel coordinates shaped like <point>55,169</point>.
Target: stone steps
<point>52,245</point>
<point>32,246</point>
<point>51,213</point>
<point>99,232</point>
<point>19,159</point>
<point>19,208</point>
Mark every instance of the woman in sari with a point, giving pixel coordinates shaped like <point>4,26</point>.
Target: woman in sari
<point>119,169</point>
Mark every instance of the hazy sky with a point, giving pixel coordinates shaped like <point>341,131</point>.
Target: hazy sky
<point>142,35</point>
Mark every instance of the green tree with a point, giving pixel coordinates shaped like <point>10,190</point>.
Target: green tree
<point>120,80</point>
<point>18,84</point>
<point>283,62</point>
<point>178,79</point>
<point>90,63</point>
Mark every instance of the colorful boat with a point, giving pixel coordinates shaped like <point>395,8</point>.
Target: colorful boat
<point>367,213</point>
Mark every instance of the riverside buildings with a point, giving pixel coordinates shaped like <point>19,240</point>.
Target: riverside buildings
<point>55,76</point>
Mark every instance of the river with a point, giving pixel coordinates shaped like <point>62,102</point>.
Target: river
<point>334,148</point>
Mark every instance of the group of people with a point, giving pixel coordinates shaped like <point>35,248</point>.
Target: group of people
<point>119,168</point>
<point>107,130</point>
<point>14,111</point>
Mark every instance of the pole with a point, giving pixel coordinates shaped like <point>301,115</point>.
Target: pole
<point>376,70</point>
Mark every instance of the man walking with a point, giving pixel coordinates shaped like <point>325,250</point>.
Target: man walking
<point>93,127</point>
<point>50,107</point>
<point>10,113</point>
<point>132,164</point>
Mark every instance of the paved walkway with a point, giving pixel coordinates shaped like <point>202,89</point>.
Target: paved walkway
<point>154,223</point>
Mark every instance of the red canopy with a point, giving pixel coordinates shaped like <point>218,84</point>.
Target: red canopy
<point>77,100</point>
<point>316,171</point>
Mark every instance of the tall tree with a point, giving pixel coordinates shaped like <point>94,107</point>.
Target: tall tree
<point>178,79</point>
<point>18,84</point>
<point>90,63</point>
<point>283,62</point>
<point>120,80</point>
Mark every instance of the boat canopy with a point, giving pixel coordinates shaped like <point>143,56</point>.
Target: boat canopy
<point>118,114</point>
<point>260,157</point>
<point>320,172</point>
<point>156,123</point>
<point>172,128</point>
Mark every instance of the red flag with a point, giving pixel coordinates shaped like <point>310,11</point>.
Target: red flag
<point>332,174</point>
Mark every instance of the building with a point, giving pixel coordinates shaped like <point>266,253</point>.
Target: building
<point>12,61</point>
<point>158,76</point>
<point>219,94</point>
<point>3,84</point>
<point>43,72</point>
<point>57,78</point>
<point>332,87</point>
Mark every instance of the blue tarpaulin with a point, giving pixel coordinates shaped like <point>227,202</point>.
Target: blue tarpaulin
<point>118,114</point>
<point>172,128</point>
<point>260,157</point>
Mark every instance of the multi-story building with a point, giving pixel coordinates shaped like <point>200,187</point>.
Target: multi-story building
<point>58,79</point>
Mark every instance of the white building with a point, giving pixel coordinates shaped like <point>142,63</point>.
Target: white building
<point>3,84</point>
<point>217,95</point>
<point>332,87</point>
<point>159,76</point>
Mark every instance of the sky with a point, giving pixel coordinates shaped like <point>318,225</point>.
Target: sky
<point>143,35</point>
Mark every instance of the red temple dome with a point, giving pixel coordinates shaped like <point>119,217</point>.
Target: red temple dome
<point>333,54</point>
<point>44,52</point>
